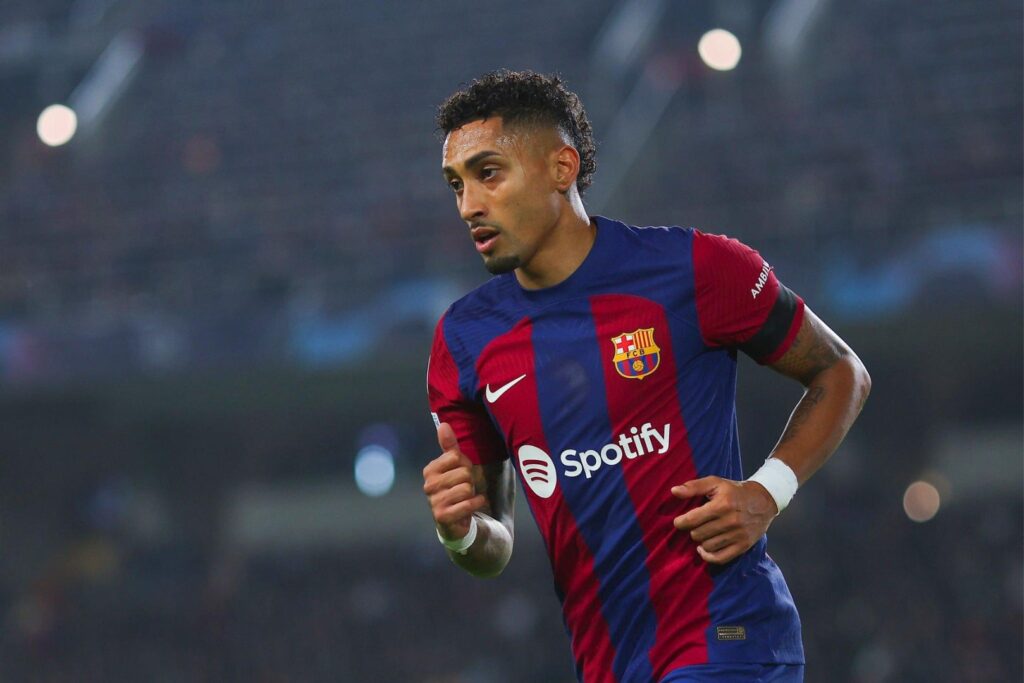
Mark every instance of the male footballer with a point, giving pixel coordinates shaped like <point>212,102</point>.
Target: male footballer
<point>599,367</point>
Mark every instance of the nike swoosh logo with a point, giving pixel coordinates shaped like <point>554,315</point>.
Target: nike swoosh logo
<point>493,396</point>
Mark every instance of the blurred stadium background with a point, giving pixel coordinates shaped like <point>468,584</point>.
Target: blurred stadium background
<point>216,301</point>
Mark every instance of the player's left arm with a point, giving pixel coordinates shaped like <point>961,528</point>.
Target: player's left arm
<point>836,387</point>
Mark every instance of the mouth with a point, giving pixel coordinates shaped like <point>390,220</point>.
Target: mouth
<point>484,237</point>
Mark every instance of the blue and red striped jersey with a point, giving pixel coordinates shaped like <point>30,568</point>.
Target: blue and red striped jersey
<point>605,391</point>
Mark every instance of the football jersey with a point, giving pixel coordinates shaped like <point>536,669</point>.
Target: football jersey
<point>606,390</point>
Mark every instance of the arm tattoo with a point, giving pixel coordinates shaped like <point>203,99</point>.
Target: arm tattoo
<point>816,348</point>
<point>822,355</point>
<point>802,412</point>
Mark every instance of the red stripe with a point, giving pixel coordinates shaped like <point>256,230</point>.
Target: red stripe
<point>467,418</point>
<point>571,560</point>
<point>725,271</point>
<point>680,582</point>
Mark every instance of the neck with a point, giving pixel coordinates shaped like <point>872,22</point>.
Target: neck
<point>566,247</point>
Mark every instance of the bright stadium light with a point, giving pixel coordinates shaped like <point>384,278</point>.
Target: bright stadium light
<point>56,125</point>
<point>375,470</point>
<point>921,501</point>
<point>720,49</point>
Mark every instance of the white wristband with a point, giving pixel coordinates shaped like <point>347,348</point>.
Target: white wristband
<point>779,479</point>
<point>460,545</point>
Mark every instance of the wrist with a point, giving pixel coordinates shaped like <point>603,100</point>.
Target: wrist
<point>778,479</point>
<point>460,545</point>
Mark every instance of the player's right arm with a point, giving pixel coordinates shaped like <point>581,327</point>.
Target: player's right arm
<point>473,476</point>
<point>457,491</point>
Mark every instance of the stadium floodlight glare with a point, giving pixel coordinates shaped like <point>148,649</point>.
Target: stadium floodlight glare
<point>720,49</point>
<point>374,470</point>
<point>921,501</point>
<point>56,125</point>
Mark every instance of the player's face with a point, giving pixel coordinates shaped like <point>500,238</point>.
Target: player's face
<point>503,189</point>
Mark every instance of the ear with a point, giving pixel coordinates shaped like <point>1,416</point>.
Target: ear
<point>565,167</point>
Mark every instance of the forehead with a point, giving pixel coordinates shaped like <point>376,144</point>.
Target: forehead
<point>475,136</point>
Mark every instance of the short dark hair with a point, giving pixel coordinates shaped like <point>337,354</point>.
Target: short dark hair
<point>525,97</point>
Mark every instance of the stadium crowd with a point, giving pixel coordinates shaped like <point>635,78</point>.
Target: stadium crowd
<point>233,193</point>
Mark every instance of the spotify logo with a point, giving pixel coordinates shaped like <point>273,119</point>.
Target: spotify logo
<point>538,471</point>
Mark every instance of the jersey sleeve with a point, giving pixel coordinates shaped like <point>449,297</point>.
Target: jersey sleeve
<point>740,302</point>
<point>478,438</point>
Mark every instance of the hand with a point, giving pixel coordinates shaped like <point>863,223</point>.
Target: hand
<point>448,483</point>
<point>736,515</point>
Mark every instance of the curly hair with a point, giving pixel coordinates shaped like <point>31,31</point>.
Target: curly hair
<point>525,97</point>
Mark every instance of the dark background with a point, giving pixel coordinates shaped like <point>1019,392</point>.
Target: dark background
<point>224,287</point>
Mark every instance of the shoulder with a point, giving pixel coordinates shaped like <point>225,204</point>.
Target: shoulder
<point>673,236</point>
<point>707,255</point>
<point>720,259</point>
<point>670,244</point>
<point>707,244</point>
<point>479,316</point>
<point>652,235</point>
<point>486,301</point>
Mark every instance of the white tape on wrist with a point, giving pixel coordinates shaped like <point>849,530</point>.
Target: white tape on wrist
<point>460,545</point>
<point>780,481</point>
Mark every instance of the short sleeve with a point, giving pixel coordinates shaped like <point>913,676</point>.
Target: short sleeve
<point>740,302</point>
<point>478,438</point>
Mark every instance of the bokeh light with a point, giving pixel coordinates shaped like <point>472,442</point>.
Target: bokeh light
<point>374,470</point>
<point>720,49</point>
<point>56,125</point>
<point>921,501</point>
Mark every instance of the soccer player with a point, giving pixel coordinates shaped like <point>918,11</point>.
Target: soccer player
<point>599,366</point>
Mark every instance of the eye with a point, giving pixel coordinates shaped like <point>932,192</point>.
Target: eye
<point>488,172</point>
<point>455,184</point>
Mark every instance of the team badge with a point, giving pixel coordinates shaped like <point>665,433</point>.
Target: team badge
<point>636,354</point>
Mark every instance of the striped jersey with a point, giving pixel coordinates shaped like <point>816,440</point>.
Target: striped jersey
<point>605,391</point>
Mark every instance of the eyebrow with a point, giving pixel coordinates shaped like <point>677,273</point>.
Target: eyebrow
<point>472,161</point>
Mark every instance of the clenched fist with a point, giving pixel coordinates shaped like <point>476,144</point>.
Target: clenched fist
<point>448,483</point>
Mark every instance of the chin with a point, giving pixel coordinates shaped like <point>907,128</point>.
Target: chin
<point>497,265</point>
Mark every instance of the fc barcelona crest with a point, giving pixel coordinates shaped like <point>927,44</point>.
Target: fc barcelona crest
<point>636,354</point>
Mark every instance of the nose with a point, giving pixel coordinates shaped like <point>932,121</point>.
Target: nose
<point>471,205</point>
